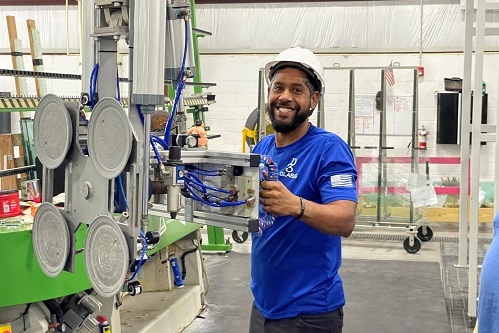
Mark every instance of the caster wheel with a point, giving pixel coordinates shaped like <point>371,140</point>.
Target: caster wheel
<point>425,236</point>
<point>239,237</point>
<point>134,288</point>
<point>414,248</point>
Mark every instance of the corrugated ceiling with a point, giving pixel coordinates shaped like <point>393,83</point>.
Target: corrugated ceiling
<point>74,2</point>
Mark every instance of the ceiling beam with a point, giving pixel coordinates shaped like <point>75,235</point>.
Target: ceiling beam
<point>36,2</point>
<point>200,2</point>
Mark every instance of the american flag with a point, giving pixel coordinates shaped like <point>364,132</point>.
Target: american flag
<point>343,180</point>
<point>390,78</point>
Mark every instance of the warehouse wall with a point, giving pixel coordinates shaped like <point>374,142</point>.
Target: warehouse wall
<point>236,93</point>
<point>355,34</point>
<point>236,96</point>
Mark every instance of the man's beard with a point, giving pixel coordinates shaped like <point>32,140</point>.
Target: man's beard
<point>284,127</point>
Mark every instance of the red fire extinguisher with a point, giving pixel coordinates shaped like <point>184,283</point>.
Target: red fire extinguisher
<point>423,137</point>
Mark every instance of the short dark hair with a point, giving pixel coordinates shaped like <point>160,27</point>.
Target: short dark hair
<point>198,122</point>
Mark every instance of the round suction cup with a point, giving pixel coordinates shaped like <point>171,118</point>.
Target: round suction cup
<point>106,256</point>
<point>52,131</point>
<point>51,240</point>
<point>109,138</point>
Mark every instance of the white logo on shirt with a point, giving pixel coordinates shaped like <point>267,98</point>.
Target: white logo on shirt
<point>288,173</point>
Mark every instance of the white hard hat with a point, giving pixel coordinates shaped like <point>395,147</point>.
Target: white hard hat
<point>301,58</point>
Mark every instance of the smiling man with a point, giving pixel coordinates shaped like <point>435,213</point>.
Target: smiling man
<point>295,261</point>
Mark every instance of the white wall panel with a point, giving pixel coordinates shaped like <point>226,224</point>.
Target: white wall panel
<point>52,21</point>
<point>247,36</point>
<point>362,26</point>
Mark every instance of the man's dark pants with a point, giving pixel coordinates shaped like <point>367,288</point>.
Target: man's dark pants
<point>331,322</point>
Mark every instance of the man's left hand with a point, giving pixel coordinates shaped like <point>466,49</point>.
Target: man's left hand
<point>276,199</point>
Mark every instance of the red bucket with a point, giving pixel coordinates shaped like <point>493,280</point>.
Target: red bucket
<point>9,203</point>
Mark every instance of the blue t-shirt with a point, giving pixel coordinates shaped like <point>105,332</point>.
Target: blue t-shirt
<point>488,297</point>
<point>294,268</point>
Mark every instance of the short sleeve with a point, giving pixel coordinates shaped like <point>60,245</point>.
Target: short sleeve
<point>337,177</point>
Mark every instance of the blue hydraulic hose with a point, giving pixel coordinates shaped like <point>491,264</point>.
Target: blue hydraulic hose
<point>93,82</point>
<point>118,86</point>
<point>204,170</point>
<point>203,173</point>
<point>206,186</point>
<point>197,198</point>
<point>232,203</point>
<point>186,41</point>
<point>197,182</point>
<point>140,113</point>
<point>141,261</point>
<point>153,139</point>
<point>122,190</point>
<point>199,186</point>
<point>158,140</point>
<point>212,204</point>
<point>155,149</point>
<point>196,186</point>
<point>85,121</point>
<point>180,85</point>
<point>196,178</point>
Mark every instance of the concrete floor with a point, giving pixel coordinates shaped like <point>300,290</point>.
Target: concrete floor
<point>388,290</point>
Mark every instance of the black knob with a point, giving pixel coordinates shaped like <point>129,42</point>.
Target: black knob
<point>153,237</point>
<point>174,154</point>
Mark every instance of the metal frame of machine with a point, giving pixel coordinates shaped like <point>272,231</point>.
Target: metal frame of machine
<point>113,155</point>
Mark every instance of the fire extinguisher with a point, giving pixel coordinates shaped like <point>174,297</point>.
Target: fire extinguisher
<point>423,137</point>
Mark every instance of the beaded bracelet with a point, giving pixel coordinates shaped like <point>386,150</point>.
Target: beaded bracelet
<point>302,211</point>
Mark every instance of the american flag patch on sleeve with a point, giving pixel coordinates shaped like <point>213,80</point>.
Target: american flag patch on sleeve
<point>341,181</point>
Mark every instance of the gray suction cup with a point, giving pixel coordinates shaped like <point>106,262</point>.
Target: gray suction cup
<point>52,131</point>
<point>109,138</point>
<point>106,256</point>
<point>51,240</point>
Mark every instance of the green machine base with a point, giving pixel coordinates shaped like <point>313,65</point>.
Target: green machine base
<point>24,282</point>
<point>216,240</point>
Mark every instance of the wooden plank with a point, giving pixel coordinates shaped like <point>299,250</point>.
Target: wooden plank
<point>394,212</point>
<point>431,214</point>
<point>18,148</point>
<point>36,56</point>
<point>11,27</point>
<point>17,143</point>
<point>449,213</point>
<point>7,161</point>
<point>17,60</point>
<point>452,214</point>
<point>19,162</point>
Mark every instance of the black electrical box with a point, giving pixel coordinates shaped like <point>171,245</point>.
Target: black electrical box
<point>449,116</point>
